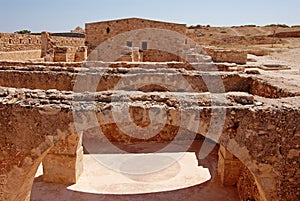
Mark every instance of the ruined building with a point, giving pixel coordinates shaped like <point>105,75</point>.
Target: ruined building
<point>130,79</point>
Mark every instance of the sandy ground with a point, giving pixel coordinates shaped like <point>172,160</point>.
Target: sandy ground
<point>290,57</point>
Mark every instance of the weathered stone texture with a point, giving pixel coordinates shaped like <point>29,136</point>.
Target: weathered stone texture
<point>229,167</point>
<point>159,56</point>
<point>98,32</point>
<point>63,168</point>
<point>19,42</point>
<point>286,34</point>
<point>54,51</point>
<point>38,119</point>
<point>230,56</point>
<point>39,77</point>
<point>22,42</point>
<point>273,133</point>
<point>69,54</point>
<point>246,186</point>
<point>20,55</point>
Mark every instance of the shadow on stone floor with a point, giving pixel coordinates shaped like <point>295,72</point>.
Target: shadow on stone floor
<point>211,190</point>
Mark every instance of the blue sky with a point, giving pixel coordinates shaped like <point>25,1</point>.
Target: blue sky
<point>64,15</point>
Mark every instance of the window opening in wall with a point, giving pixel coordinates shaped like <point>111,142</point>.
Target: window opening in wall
<point>129,43</point>
<point>144,45</point>
<point>107,30</point>
<point>29,40</point>
<point>21,40</point>
<point>10,41</point>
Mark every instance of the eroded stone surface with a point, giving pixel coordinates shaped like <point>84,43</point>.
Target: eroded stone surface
<point>29,112</point>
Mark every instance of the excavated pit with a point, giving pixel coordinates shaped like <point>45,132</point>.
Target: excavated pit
<point>37,118</point>
<point>106,79</point>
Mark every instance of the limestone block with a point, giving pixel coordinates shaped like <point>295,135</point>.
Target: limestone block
<point>229,168</point>
<point>230,56</point>
<point>81,54</point>
<point>135,55</point>
<point>226,154</point>
<point>63,169</point>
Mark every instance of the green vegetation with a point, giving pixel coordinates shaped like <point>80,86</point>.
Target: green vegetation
<point>23,32</point>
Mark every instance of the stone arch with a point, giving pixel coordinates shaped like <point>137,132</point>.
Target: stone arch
<point>263,174</point>
<point>113,133</point>
<point>30,134</point>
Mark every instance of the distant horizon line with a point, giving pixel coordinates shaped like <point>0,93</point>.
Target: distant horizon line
<point>187,25</point>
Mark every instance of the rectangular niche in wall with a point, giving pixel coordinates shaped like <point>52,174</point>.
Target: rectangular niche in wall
<point>144,45</point>
<point>129,43</point>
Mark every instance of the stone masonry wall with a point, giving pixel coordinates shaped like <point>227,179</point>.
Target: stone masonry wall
<point>287,34</point>
<point>98,32</point>
<point>68,41</point>
<point>259,147</point>
<point>69,54</point>
<point>53,49</point>
<point>246,185</point>
<point>159,56</point>
<point>64,78</point>
<point>20,55</point>
<point>20,42</point>
<point>229,56</point>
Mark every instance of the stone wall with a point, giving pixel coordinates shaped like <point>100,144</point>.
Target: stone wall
<point>70,54</point>
<point>29,64</point>
<point>49,77</point>
<point>98,32</point>
<point>64,78</point>
<point>20,55</point>
<point>68,41</point>
<point>259,147</point>
<point>229,56</point>
<point>149,55</point>
<point>269,136</point>
<point>159,56</point>
<point>53,49</point>
<point>261,133</point>
<point>19,42</point>
<point>246,186</point>
<point>287,34</point>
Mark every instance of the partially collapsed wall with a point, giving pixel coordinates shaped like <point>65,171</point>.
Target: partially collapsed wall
<point>53,51</point>
<point>259,132</point>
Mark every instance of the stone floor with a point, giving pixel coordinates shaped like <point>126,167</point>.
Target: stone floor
<point>180,180</point>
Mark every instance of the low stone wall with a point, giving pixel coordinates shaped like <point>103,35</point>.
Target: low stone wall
<point>68,41</point>
<point>159,56</point>
<point>28,64</point>
<point>19,42</point>
<point>288,34</point>
<point>55,50</point>
<point>229,56</point>
<point>16,74</point>
<point>70,54</point>
<point>64,78</point>
<point>20,55</point>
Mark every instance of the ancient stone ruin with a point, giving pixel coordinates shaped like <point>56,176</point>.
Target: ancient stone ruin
<point>191,94</point>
